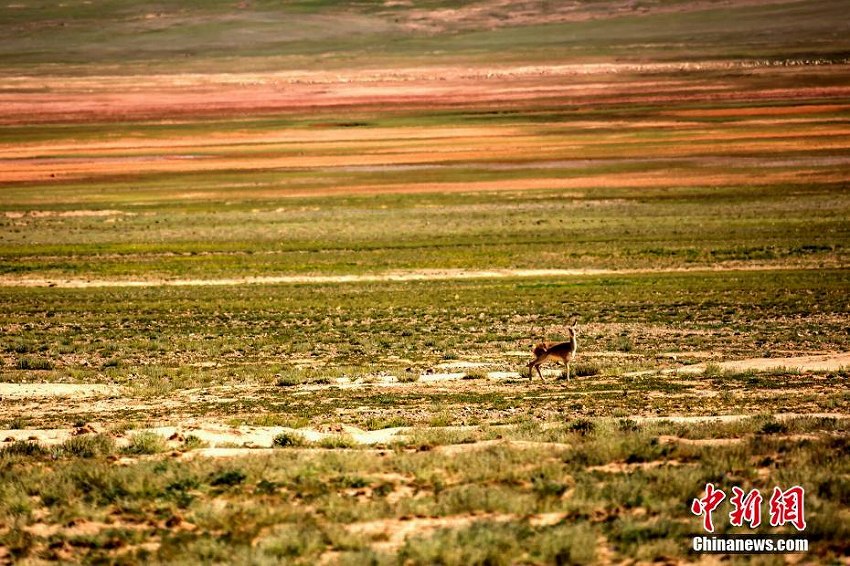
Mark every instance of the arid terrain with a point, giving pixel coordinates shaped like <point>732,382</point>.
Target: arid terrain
<point>271,273</point>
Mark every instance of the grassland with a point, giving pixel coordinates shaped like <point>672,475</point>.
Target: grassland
<point>546,500</point>
<point>270,274</point>
<point>122,37</point>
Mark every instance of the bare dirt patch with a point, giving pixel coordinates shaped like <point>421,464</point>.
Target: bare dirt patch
<point>390,534</point>
<point>700,441</point>
<point>630,467</point>
<point>494,14</point>
<point>35,390</point>
<point>821,362</point>
<point>67,213</point>
<point>78,528</point>
<point>178,95</point>
<point>218,440</point>
<point>484,444</point>
<point>412,275</point>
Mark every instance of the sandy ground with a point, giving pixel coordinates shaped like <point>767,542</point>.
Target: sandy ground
<point>393,532</point>
<point>823,362</point>
<point>16,391</point>
<point>412,275</point>
<point>95,98</point>
<point>462,370</point>
<point>220,440</point>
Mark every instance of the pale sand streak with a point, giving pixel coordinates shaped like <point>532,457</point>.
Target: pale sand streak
<point>420,275</point>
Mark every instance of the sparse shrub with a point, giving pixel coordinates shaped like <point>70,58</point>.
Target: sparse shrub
<point>633,534</point>
<point>384,488</point>
<point>443,418</point>
<point>475,374</point>
<point>545,487</point>
<point>145,443</point>
<point>192,442</point>
<point>378,423</point>
<point>586,369</point>
<point>292,540</point>
<point>712,369</point>
<point>829,526</point>
<point>183,484</point>
<point>120,427</point>
<point>89,446</point>
<point>98,482</point>
<point>34,363</point>
<point>18,423</point>
<point>20,347</point>
<point>289,380</point>
<point>227,478</point>
<point>19,543</point>
<point>624,344</point>
<point>23,448</point>
<point>408,377</point>
<point>287,439</point>
<point>355,482</point>
<point>338,441</point>
<point>582,426</point>
<point>566,544</point>
<point>14,502</point>
<point>275,419</point>
<point>773,427</point>
<point>180,490</point>
<point>266,487</point>
<point>483,542</point>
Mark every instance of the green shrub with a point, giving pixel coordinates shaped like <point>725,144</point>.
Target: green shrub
<point>23,448</point>
<point>566,544</point>
<point>624,344</point>
<point>483,542</point>
<point>338,441</point>
<point>89,446</point>
<point>227,478</point>
<point>582,426</point>
<point>145,443</point>
<point>192,442</point>
<point>289,380</point>
<point>585,369</point>
<point>475,374</point>
<point>286,439</point>
<point>33,363</point>
<point>18,423</point>
<point>773,427</point>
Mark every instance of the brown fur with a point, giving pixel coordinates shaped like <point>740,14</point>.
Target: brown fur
<point>554,351</point>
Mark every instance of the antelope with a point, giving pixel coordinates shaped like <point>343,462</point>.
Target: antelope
<point>555,351</point>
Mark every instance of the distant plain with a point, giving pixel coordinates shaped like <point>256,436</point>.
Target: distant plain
<point>270,274</point>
